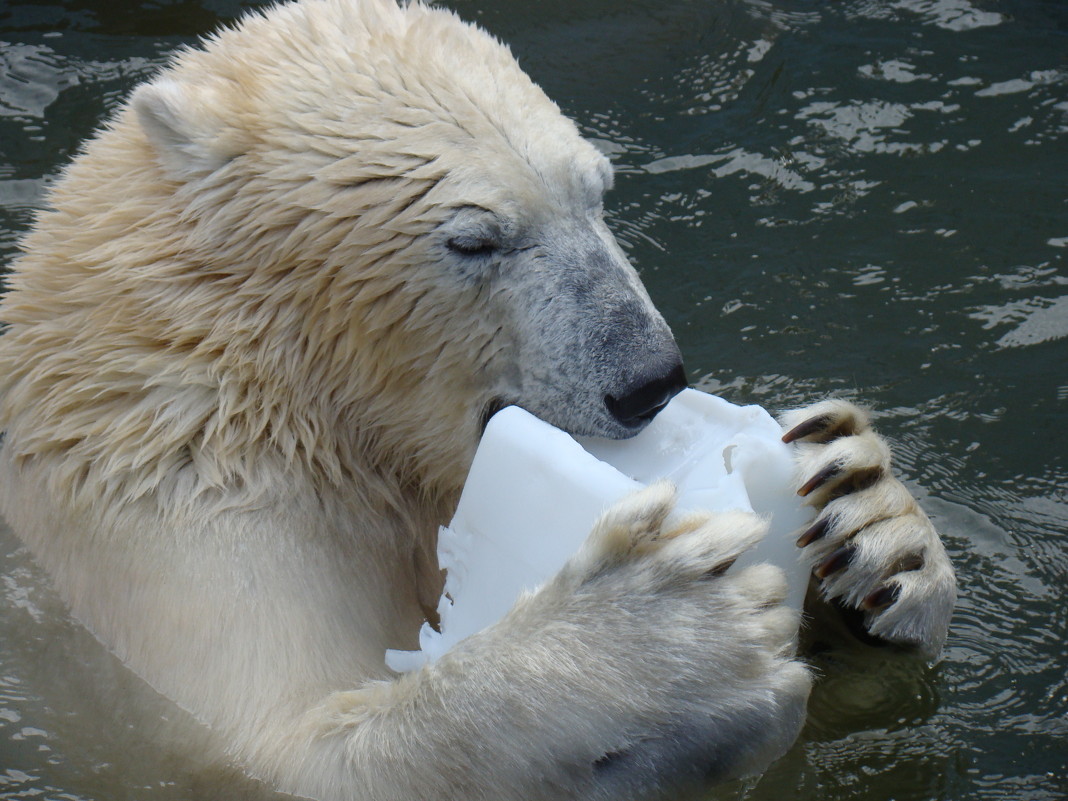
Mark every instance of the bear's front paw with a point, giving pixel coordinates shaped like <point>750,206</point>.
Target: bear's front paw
<point>705,654</point>
<point>871,547</point>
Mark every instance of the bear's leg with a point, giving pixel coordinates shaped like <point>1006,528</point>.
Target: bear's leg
<point>871,547</point>
<point>642,670</point>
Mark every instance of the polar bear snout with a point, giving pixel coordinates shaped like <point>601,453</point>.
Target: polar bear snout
<point>587,349</point>
<point>643,396</point>
<point>640,364</point>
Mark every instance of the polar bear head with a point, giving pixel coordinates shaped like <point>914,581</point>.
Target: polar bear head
<point>400,226</point>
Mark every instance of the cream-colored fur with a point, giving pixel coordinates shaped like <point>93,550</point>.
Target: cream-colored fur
<point>251,343</point>
<point>876,550</point>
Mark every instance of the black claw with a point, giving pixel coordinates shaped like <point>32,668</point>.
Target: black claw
<point>719,569</point>
<point>835,562</point>
<point>821,478</point>
<point>810,426</point>
<point>881,598</point>
<point>814,532</point>
<point>907,564</point>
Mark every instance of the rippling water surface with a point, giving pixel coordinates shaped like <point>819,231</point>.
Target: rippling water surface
<point>865,197</point>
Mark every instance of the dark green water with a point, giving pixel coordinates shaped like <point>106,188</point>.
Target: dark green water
<point>858,197</point>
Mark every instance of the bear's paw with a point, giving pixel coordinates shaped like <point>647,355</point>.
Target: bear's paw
<point>871,547</point>
<point>704,655</point>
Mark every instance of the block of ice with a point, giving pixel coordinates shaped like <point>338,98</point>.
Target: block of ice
<point>534,492</point>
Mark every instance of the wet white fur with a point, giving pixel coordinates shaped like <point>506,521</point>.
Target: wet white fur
<point>886,527</point>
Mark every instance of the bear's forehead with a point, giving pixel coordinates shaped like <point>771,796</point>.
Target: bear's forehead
<point>388,84</point>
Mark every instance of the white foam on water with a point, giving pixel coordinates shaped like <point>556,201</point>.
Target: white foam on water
<point>534,492</point>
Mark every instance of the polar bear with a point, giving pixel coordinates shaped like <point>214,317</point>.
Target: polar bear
<point>251,345</point>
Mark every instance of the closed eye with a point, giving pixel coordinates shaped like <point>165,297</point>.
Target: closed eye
<point>471,245</point>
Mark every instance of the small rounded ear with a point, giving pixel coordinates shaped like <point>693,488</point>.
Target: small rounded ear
<point>184,124</point>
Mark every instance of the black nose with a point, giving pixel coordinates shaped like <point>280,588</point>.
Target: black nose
<point>647,394</point>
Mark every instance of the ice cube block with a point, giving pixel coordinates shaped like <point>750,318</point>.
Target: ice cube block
<point>534,492</point>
